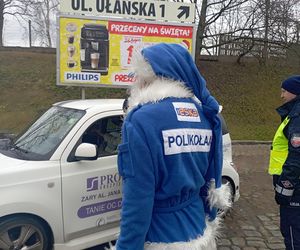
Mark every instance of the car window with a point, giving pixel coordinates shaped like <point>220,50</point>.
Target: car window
<point>106,134</point>
<point>112,135</point>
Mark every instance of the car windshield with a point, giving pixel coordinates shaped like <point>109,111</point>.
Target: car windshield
<point>44,136</point>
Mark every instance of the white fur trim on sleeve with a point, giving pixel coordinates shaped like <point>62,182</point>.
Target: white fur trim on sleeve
<point>111,247</point>
<point>219,197</point>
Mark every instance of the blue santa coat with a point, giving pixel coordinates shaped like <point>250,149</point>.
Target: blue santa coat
<point>166,161</point>
<point>173,61</point>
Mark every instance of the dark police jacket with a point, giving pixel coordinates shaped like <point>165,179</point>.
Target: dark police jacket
<point>291,168</point>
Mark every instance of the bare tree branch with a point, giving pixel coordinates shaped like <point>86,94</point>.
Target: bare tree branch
<point>241,19</point>
<point>39,12</point>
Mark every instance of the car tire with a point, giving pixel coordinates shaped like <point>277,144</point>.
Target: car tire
<point>24,232</point>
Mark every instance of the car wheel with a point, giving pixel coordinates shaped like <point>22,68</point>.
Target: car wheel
<point>22,232</point>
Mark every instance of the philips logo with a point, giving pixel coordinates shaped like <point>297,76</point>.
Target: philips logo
<point>103,182</point>
<point>186,140</point>
<point>82,77</point>
<point>186,112</point>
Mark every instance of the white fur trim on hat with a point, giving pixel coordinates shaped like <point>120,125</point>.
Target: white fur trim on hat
<point>143,70</point>
<point>158,90</point>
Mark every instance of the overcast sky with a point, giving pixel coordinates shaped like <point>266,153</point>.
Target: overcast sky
<point>14,33</point>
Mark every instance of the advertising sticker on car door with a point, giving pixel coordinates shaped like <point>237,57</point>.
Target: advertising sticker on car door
<point>103,195</point>
<point>93,194</point>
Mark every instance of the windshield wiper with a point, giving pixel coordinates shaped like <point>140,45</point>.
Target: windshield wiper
<point>14,147</point>
<point>20,144</point>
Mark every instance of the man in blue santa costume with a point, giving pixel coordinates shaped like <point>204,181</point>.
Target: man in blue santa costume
<point>171,156</point>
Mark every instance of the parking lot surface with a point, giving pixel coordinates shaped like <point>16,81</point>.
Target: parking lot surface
<point>253,223</point>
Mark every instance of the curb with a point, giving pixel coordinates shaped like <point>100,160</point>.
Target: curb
<point>250,142</point>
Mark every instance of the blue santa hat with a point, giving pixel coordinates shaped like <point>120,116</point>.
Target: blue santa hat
<point>292,84</point>
<point>175,62</point>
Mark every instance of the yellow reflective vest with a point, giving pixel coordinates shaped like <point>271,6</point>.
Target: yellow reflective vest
<point>279,151</point>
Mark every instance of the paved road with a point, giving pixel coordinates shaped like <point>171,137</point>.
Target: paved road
<point>253,224</point>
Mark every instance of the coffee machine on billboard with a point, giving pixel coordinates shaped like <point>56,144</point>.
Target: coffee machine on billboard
<point>94,48</point>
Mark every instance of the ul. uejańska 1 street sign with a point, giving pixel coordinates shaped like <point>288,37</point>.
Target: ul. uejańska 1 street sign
<point>97,38</point>
<point>138,9</point>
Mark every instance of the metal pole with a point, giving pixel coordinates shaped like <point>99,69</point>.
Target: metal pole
<point>266,35</point>
<point>83,93</point>
<point>29,24</point>
<point>298,32</point>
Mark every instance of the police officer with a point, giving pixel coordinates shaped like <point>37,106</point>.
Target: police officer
<point>285,163</point>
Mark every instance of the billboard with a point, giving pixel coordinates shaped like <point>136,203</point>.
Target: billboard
<point>98,51</point>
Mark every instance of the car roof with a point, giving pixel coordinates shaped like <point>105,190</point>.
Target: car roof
<point>88,104</point>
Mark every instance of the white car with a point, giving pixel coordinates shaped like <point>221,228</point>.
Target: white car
<point>58,190</point>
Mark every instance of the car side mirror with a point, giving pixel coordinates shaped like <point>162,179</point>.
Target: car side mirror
<point>87,152</point>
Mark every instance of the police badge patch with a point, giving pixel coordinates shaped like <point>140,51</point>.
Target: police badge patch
<point>287,184</point>
<point>295,140</point>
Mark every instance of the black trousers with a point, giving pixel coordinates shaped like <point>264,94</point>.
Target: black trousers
<point>290,226</point>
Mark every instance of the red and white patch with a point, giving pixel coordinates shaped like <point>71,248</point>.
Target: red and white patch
<point>186,111</point>
<point>287,184</point>
<point>295,140</point>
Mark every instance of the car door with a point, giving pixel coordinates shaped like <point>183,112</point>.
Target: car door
<point>91,189</point>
